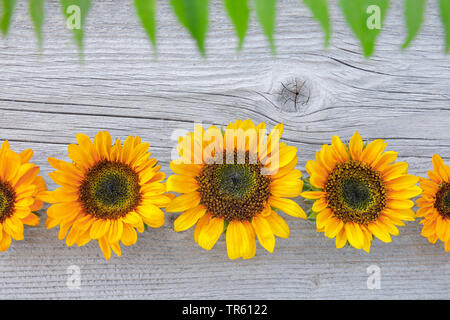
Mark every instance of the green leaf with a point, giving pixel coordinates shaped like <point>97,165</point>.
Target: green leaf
<point>75,12</point>
<point>365,17</point>
<point>146,10</point>
<point>5,19</point>
<point>239,13</point>
<point>266,12</point>
<point>37,16</point>
<point>225,226</point>
<point>307,186</point>
<point>319,9</point>
<point>311,215</point>
<point>445,15</point>
<point>193,15</point>
<point>414,11</point>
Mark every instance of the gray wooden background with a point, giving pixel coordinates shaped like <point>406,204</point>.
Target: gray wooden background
<point>400,96</point>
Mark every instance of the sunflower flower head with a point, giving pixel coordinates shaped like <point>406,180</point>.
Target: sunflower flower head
<point>434,205</point>
<point>231,182</point>
<point>20,192</point>
<point>107,193</point>
<point>358,192</point>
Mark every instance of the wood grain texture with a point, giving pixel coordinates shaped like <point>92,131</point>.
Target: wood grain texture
<point>400,96</point>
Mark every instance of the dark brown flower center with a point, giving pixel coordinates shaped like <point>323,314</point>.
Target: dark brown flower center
<point>7,200</point>
<point>355,192</point>
<point>442,203</point>
<point>110,190</point>
<point>236,191</point>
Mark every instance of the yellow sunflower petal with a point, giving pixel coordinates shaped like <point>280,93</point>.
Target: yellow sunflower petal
<point>280,188</point>
<point>115,231</point>
<point>313,195</point>
<point>367,239</point>
<point>31,220</point>
<point>277,224</point>
<point>72,236</point>
<point>264,233</point>
<point>323,217</point>
<point>399,204</point>
<point>5,241</point>
<point>333,227</point>
<point>340,149</point>
<point>188,218</point>
<point>26,155</point>
<point>354,235</point>
<point>402,182</point>
<point>384,160</point>
<point>439,168</point>
<point>234,239</point>
<point>356,146</point>
<point>129,235</point>
<point>9,164</point>
<point>283,171</point>
<point>28,177</point>
<point>379,232</point>
<point>288,206</point>
<point>210,233</point>
<point>14,227</point>
<point>373,150</point>
<point>191,170</point>
<point>104,246</point>
<point>410,192</point>
<point>103,144</point>
<point>250,233</point>
<point>151,215</point>
<point>429,229</point>
<point>83,238</point>
<point>341,239</point>
<point>99,228</point>
<point>394,171</point>
<point>116,248</point>
<point>319,205</point>
<point>184,202</point>
<point>181,184</point>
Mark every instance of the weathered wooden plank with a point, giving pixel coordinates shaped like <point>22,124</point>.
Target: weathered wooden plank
<point>400,96</point>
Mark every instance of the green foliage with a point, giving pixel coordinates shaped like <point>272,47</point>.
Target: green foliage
<point>365,18</point>
<point>358,15</point>
<point>311,215</point>
<point>6,14</point>
<point>266,12</point>
<point>239,13</point>
<point>445,15</point>
<point>36,8</point>
<point>414,11</point>
<point>225,226</point>
<point>70,12</point>
<point>307,186</point>
<point>193,15</point>
<point>319,9</point>
<point>146,11</point>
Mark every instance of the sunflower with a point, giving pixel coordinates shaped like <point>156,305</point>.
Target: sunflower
<point>231,182</point>
<point>359,193</point>
<point>435,203</point>
<point>107,192</point>
<point>20,189</point>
